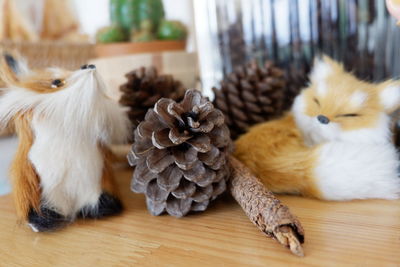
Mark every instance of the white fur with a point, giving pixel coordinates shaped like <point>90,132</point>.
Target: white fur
<point>379,134</point>
<point>313,131</point>
<point>348,170</point>
<point>351,164</point>
<point>68,126</point>
<point>358,98</point>
<point>390,97</point>
<point>322,88</point>
<point>319,73</point>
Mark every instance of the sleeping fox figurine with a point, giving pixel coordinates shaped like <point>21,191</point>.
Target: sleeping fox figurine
<point>334,144</point>
<point>65,122</point>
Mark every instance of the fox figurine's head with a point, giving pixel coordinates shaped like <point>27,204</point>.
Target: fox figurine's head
<point>338,106</point>
<point>75,102</point>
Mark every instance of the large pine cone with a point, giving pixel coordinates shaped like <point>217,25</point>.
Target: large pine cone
<point>144,88</point>
<point>180,153</point>
<point>250,95</point>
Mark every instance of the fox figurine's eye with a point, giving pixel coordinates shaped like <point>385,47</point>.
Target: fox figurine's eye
<point>57,83</point>
<point>316,101</point>
<point>349,115</point>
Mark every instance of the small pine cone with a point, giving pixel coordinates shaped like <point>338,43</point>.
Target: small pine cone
<point>180,153</point>
<point>144,88</point>
<point>250,95</point>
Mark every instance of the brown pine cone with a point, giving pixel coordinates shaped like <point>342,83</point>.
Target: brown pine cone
<point>180,153</point>
<point>144,88</point>
<point>250,95</point>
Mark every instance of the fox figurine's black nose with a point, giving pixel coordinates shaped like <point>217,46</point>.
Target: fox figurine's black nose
<point>86,66</point>
<point>322,119</point>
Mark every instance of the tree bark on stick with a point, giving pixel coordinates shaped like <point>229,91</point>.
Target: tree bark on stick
<point>264,209</point>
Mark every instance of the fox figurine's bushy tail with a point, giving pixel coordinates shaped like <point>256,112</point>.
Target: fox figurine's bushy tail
<point>334,144</point>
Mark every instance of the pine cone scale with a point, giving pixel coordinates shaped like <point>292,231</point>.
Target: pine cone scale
<point>158,160</point>
<point>185,190</point>
<point>179,207</point>
<point>196,173</point>
<point>155,208</point>
<point>161,139</point>
<point>201,143</point>
<point>185,159</point>
<point>156,193</point>
<point>170,178</point>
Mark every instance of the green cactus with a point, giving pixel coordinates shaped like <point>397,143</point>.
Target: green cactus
<point>171,30</point>
<point>129,14</point>
<point>152,10</point>
<point>111,34</point>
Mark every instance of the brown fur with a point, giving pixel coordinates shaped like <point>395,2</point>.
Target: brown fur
<point>281,160</point>
<point>108,180</point>
<point>26,184</point>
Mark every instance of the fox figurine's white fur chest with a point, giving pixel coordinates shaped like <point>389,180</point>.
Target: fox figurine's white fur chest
<point>335,143</point>
<point>70,173</point>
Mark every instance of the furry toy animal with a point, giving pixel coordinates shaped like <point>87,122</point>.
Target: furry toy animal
<point>64,121</point>
<point>335,144</point>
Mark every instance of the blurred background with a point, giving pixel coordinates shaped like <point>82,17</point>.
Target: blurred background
<point>202,43</point>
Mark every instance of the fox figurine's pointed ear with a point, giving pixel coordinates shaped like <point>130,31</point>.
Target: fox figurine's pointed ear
<point>389,95</point>
<point>323,66</point>
<point>12,67</point>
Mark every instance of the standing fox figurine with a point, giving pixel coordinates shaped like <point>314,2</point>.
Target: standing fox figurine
<point>335,144</point>
<point>64,121</point>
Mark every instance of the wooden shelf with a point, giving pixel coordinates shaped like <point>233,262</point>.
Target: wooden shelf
<point>337,234</point>
<point>118,49</point>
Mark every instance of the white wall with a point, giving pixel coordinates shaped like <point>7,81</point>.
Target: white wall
<point>94,14</point>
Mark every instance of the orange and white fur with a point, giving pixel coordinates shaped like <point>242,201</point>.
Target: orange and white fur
<point>334,144</point>
<point>65,122</point>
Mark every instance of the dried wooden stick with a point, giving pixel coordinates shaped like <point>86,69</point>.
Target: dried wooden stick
<point>264,210</point>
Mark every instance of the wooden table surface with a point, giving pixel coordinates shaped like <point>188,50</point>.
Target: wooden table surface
<point>337,234</point>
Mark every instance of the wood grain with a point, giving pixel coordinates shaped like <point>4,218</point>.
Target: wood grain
<point>118,49</point>
<point>337,234</point>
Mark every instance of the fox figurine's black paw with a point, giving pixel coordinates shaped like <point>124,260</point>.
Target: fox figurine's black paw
<point>46,220</point>
<point>108,205</point>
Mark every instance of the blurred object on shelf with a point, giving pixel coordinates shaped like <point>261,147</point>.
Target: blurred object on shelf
<point>14,25</point>
<point>34,20</point>
<point>130,14</point>
<point>50,53</point>
<point>393,7</point>
<point>140,21</point>
<point>126,48</point>
<point>171,30</point>
<point>361,34</point>
<point>58,20</point>
<point>182,65</point>
<point>110,34</point>
<point>144,34</point>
